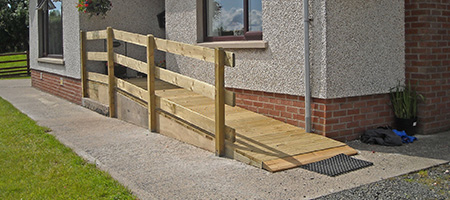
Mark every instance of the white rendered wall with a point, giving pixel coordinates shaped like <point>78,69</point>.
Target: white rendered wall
<point>365,47</point>
<point>71,50</point>
<point>275,69</point>
<point>357,47</point>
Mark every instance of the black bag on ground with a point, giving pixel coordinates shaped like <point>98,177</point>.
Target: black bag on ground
<point>382,136</point>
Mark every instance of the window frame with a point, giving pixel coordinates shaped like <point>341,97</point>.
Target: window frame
<point>44,32</point>
<point>248,35</point>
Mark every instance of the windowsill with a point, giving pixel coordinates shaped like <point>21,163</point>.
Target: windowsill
<point>56,61</point>
<point>249,44</point>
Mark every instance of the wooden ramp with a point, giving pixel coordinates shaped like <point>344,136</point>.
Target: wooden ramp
<point>194,111</point>
<point>260,141</point>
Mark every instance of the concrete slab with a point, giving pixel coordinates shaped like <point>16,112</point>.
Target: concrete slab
<point>157,167</point>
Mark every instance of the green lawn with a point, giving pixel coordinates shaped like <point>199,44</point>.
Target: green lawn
<point>34,165</point>
<point>14,64</point>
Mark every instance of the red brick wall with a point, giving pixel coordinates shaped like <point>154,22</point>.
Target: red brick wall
<point>342,119</point>
<point>70,90</point>
<point>427,31</point>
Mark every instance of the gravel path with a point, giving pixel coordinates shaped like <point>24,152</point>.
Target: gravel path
<point>433,183</point>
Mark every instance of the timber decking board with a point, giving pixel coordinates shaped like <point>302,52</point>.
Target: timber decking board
<point>260,140</point>
<point>303,159</point>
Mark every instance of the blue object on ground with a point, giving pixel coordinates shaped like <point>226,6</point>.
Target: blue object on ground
<point>405,138</point>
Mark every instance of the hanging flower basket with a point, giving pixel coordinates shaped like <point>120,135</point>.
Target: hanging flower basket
<point>94,7</point>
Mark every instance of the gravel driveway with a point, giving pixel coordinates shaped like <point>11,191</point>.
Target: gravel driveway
<point>433,183</point>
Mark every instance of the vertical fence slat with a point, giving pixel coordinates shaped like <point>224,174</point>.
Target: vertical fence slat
<point>28,63</point>
<point>220,101</point>
<point>151,83</point>
<point>83,64</point>
<point>111,77</point>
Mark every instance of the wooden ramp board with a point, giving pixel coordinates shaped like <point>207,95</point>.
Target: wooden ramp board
<point>260,141</point>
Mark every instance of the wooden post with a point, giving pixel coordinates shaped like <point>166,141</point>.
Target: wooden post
<point>111,77</point>
<point>84,92</point>
<point>28,63</point>
<point>151,83</point>
<point>220,101</point>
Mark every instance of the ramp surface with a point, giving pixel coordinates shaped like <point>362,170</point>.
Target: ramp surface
<point>260,141</point>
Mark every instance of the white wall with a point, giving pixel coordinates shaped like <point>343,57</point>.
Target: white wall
<point>275,69</point>
<point>365,46</point>
<point>71,50</point>
<point>357,47</point>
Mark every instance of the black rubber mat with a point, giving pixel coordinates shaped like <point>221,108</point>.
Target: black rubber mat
<point>337,165</point>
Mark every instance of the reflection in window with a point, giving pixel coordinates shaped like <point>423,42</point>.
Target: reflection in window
<point>51,28</point>
<point>255,15</point>
<point>232,18</point>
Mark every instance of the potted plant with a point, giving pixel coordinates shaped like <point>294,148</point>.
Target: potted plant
<point>94,7</point>
<point>404,102</point>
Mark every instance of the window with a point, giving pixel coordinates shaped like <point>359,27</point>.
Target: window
<point>50,28</point>
<point>232,20</point>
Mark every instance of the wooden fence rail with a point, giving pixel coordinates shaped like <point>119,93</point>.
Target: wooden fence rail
<point>217,92</point>
<point>15,70</point>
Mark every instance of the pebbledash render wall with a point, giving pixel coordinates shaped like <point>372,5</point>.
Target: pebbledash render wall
<point>61,77</point>
<point>428,60</point>
<point>357,54</point>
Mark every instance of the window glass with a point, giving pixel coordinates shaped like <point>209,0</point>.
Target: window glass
<point>54,28</point>
<point>255,15</point>
<point>225,18</point>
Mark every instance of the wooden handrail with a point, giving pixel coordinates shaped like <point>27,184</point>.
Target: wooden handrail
<point>188,50</point>
<point>218,56</point>
<point>131,63</point>
<point>97,56</point>
<point>193,85</point>
<point>96,35</point>
<point>192,51</point>
<point>166,105</point>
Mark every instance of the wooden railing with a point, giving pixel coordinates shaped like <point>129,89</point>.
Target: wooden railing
<point>216,92</point>
<point>10,71</point>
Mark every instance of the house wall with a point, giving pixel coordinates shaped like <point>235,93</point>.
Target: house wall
<point>428,60</point>
<point>71,50</point>
<point>62,80</point>
<point>357,47</point>
<point>365,47</point>
<point>275,69</point>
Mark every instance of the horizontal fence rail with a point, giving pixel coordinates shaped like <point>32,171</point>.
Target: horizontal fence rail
<point>164,104</point>
<point>218,93</point>
<point>7,68</point>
